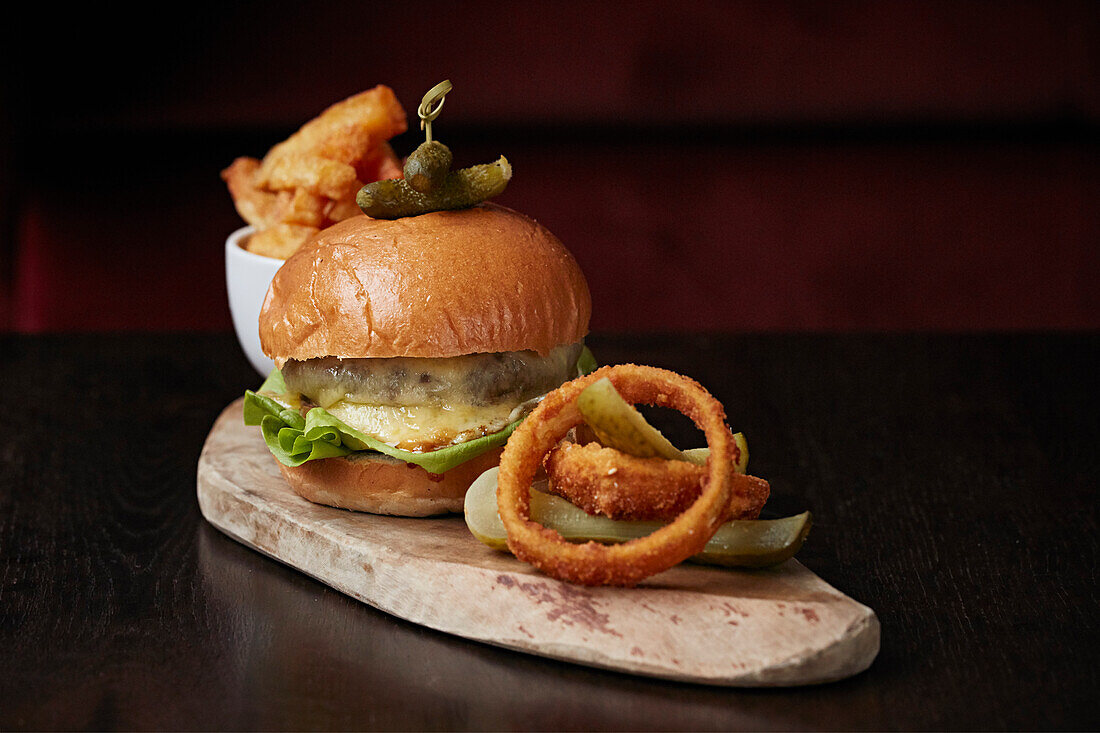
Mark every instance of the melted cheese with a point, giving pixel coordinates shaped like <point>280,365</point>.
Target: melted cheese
<point>422,404</point>
<point>427,427</point>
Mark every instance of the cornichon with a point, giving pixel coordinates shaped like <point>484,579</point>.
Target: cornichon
<point>427,168</point>
<point>743,543</point>
<point>394,199</point>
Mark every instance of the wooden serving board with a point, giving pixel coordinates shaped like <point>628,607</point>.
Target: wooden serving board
<point>777,627</point>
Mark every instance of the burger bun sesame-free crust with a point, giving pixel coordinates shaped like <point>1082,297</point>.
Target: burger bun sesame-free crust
<point>443,284</point>
<point>448,283</point>
<point>382,485</point>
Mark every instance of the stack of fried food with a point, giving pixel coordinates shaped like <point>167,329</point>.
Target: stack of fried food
<point>657,505</point>
<point>309,181</point>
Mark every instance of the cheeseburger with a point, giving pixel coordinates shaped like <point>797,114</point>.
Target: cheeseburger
<point>409,349</point>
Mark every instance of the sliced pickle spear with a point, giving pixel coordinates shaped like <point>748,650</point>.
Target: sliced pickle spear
<point>742,464</point>
<point>618,425</point>
<point>745,543</point>
<point>699,456</point>
<point>393,199</point>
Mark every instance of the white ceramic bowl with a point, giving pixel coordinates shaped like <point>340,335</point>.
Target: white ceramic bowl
<point>247,276</point>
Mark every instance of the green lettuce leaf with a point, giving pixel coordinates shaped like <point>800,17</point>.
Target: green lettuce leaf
<point>586,362</point>
<point>294,439</point>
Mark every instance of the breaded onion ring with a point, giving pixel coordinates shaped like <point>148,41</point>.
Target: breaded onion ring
<point>624,564</point>
<point>617,485</point>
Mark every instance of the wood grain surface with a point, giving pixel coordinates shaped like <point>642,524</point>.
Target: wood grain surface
<point>952,479</point>
<point>776,627</point>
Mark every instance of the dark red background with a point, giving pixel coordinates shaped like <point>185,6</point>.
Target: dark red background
<point>713,165</point>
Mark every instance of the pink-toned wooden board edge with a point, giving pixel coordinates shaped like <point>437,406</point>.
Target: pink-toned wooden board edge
<point>778,627</point>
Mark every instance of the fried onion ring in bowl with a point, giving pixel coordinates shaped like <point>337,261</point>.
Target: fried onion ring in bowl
<point>624,564</point>
<point>616,485</point>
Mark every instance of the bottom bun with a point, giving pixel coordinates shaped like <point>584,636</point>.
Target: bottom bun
<point>382,485</point>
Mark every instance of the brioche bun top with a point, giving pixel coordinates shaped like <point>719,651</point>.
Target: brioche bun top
<point>448,283</point>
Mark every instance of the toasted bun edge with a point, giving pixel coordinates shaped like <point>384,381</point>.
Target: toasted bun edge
<point>382,485</point>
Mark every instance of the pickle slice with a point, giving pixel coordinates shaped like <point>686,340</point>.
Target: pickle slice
<point>461,189</point>
<point>743,543</point>
<point>742,463</point>
<point>618,425</point>
<point>699,456</point>
<point>427,168</point>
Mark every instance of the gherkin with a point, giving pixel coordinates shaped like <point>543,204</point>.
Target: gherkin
<point>427,168</point>
<point>461,189</point>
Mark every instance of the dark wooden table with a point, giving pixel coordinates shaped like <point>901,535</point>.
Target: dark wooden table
<point>953,480</point>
